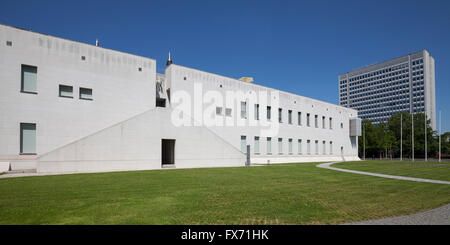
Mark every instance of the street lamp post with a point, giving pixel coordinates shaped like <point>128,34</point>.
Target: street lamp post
<point>401,137</point>
<point>412,135</point>
<point>440,133</point>
<point>426,152</point>
<point>364,142</point>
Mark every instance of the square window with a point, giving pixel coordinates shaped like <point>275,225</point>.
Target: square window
<point>219,111</point>
<point>8,43</point>
<point>228,112</point>
<point>86,93</point>
<point>65,91</point>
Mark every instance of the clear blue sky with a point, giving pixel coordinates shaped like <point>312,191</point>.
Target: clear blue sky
<point>295,46</point>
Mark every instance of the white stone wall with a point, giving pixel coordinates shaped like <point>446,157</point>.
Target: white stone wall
<point>339,136</point>
<point>120,90</point>
<point>135,144</point>
<point>121,129</point>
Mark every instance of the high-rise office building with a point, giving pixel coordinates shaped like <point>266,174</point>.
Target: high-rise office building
<point>377,91</point>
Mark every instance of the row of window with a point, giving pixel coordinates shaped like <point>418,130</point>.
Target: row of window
<point>29,85</point>
<point>374,99</point>
<point>290,151</point>
<point>219,111</point>
<point>382,71</point>
<point>375,76</point>
<point>67,92</point>
<point>384,83</point>
<point>362,78</point>
<point>381,89</point>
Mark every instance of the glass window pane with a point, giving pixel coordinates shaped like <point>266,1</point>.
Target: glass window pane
<point>256,144</point>
<point>86,93</point>
<point>269,145</point>
<point>244,144</point>
<point>65,91</point>
<point>27,138</point>
<point>280,146</point>
<point>29,78</point>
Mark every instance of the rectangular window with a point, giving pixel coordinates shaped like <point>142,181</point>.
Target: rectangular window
<point>323,122</point>
<point>218,110</point>
<point>268,113</point>
<point>228,112</point>
<point>290,116</point>
<point>324,147</point>
<point>331,123</point>
<point>269,145</point>
<point>280,114</point>
<point>307,119</point>
<point>243,109</point>
<point>299,146</point>
<point>65,91</point>
<point>290,146</point>
<point>316,147</point>
<point>280,146</point>
<point>29,79</point>
<point>331,147</point>
<point>256,111</point>
<point>308,147</point>
<point>299,118</point>
<point>316,123</point>
<point>86,93</point>
<point>27,138</point>
<point>243,144</point>
<point>256,145</point>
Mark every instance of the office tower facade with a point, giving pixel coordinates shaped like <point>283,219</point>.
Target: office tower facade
<point>377,91</point>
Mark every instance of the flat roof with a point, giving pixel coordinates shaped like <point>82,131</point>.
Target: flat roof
<point>258,85</point>
<point>40,33</point>
<point>379,63</point>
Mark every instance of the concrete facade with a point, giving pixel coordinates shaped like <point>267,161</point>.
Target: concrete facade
<point>133,108</point>
<point>377,91</point>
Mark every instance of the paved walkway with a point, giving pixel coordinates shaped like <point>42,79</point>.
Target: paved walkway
<point>438,216</point>
<point>328,166</point>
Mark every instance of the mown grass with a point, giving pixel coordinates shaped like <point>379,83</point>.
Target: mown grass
<point>426,170</point>
<point>277,194</point>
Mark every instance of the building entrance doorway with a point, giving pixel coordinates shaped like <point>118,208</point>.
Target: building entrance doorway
<point>167,152</point>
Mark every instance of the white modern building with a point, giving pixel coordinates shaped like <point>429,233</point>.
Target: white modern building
<point>377,91</point>
<point>67,106</point>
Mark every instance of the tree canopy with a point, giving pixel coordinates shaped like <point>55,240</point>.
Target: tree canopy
<point>383,139</point>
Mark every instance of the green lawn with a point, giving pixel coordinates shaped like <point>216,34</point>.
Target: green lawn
<point>276,194</point>
<point>426,170</point>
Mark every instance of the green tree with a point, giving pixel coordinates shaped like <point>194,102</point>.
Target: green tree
<point>419,134</point>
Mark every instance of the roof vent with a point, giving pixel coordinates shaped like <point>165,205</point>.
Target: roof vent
<point>246,79</point>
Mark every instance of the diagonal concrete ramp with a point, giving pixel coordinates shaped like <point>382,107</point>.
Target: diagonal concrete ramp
<point>135,144</point>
